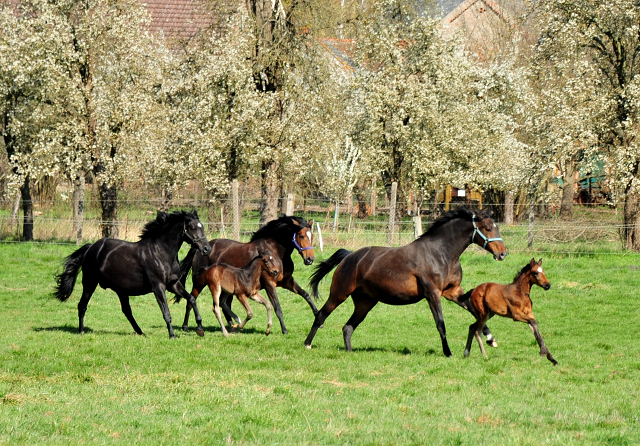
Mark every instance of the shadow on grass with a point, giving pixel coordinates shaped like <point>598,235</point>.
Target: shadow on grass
<point>74,330</point>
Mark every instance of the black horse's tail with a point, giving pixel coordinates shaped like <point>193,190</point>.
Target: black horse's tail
<point>325,268</point>
<point>186,264</point>
<point>66,280</point>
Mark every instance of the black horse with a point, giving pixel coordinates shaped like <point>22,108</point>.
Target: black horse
<point>132,269</point>
<point>427,268</point>
<point>280,237</point>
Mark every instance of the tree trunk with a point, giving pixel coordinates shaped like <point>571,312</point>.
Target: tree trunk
<point>362,203</point>
<point>631,228</point>
<point>566,207</point>
<point>27,209</point>
<point>508,208</point>
<point>269,192</point>
<point>109,204</point>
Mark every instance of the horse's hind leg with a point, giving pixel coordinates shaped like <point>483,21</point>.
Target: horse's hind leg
<point>291,285</point>
<point>362,305</point>
<point>88,287</point>
<point>472,331</point>
<point>225,305</point>
<point>195,292</point>
<point>126,309</point>
<point>336,297</point>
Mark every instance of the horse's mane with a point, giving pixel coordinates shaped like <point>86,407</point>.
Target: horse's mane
<point>452,215</point>
<point>162,223</point>
<point>523,271</point>
<point>281,229</point>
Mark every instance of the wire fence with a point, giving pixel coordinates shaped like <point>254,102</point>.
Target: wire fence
<point>594,230</point>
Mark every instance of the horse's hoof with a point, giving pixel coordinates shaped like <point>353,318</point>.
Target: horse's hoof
<point>493,343</point>
<point>185,329</point>
<point>200,332</point>
<point>467,353</point>
<point>267,333</point>
<point>322,326</point>
<point>285,331</point>
<point>308,346</point>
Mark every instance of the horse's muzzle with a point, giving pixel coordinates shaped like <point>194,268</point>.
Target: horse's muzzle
<point>500,256</point>
<point>309,260</point>
<point>546,286</point>
<point>205,249</point>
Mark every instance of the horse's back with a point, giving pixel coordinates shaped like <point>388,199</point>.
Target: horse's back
<point>116,264</point>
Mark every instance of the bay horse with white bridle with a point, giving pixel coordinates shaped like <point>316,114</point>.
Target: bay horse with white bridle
<point>132,269</point>
<point>281,237</point>
<point>427,268</point>
<point>512,301</point>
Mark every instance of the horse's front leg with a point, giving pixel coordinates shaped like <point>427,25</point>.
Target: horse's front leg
<point>270,288</point>
<point>290,284</point>
<point>215,292</point>
<point>179,289</point>
<point>453,294</point>
<point>433,297</point>
<point>258,298</point>
<point>161,298</point>
<point>544,351</point>
<point>245,303</point>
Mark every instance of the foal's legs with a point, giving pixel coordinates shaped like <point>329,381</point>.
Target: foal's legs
<point>245,303</point>
<point>225,305</point>
<point>453,294</point>
<point>270,288</point>
<point>543,348</point>
<point>362,305</point>
<point>215,291</point>
<point>179,289</point>
<point>88,287</point>
<point>126,309</point>
<point>261,300</point>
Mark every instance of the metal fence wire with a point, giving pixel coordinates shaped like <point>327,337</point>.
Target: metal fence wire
<point>592,230</point>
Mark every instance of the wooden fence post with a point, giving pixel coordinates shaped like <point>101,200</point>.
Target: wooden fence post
<point>530,242</point>
<point>78,207</point>
<point>236,210</point>
<point>335,216</point>
<point>392,212</point>
<point>417,226</point>
<point>290,205</point>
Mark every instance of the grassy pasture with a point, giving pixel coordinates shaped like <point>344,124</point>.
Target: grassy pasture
<point>113,387</point>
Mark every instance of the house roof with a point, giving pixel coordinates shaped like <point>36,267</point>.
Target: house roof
<point>177,18</point>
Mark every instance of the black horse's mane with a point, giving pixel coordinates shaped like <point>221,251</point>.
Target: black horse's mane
<point>162,223</point>
<point>280,229</point>
<point>452,215</point>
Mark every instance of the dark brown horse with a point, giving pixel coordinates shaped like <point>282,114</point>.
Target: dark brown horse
<point>511,301</point>
<point>281,237</point>
<point>427,268</point>
<point>149,265</point>
<point>243,282</point>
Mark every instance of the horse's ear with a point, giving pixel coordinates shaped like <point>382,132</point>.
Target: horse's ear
<point>295,222</point>
<point>161,216</point>
<point>311,223</point>
<point>533,262</point>
<point>195,213</point>
<point>540,261</point>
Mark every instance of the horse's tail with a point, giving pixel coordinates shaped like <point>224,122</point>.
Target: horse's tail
<point>325,268</point>
<point>186,264</point>
<point>66,280</point>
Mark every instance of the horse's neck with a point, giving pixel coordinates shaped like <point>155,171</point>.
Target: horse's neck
<point>454,236</point>
<point>173,240</point>
<point>523,283</point>
<point>252,272</point>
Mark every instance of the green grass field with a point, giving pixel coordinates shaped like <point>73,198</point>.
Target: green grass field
<point>110,386</point>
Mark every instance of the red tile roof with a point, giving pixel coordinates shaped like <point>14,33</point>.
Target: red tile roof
<point>177,18</point>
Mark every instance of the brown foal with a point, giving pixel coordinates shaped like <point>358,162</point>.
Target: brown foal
<point>243,282</point>
<point>511,301</point>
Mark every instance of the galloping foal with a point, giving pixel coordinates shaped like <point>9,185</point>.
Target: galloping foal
<point>243,282</point>
<point>511,301</point>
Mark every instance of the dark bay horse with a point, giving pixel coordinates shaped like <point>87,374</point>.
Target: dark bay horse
<point>281,237</point>
<point>511,301</point>
<point>132,269</point>
<point>243,282</point>
<point>427,268</point>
